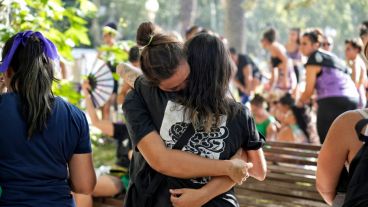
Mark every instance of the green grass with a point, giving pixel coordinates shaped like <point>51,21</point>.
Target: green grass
<point>104,151</point>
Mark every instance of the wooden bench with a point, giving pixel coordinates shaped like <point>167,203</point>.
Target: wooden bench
<point>290,180</point>
<point>108,201</point>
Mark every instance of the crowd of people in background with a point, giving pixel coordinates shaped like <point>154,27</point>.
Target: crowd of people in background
<point>299,68</point>
<point>305,88</point>
<point>306,94</point>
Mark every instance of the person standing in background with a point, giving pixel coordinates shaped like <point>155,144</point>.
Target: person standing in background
<point>109,40</point>
<point>293,52</point>
<point>353,49</point>
<point>45,147</point>
<point>329,76</point>
<point>282,72</point>
<point>248,75</point>
<point>327,43</point>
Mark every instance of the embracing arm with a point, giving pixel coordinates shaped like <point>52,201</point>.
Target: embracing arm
<point>218,185</point>
<point>259,169</point>
<point>186,197</point>
<point>166,161</point>
<point>171,162</point>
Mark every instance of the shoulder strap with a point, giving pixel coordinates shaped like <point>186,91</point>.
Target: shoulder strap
<point>184,138</point>
<point>359,127</point>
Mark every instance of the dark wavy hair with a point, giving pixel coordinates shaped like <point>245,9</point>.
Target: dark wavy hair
<point>205,97</point>
<point>32,79</point>
<point>301,114</point>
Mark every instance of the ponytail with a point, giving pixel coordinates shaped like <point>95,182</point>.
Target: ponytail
<point>315,36</point>
<point>32,77</point>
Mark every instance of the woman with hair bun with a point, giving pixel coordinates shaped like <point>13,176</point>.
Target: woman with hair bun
<point>329,76</point>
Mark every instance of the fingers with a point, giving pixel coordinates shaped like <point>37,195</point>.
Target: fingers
<point>175,196</point>
<point>177,191</point>
<point>248,165</point>
<point>174,200</point>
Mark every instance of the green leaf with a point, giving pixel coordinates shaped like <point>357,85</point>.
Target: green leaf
<point>87,7</point>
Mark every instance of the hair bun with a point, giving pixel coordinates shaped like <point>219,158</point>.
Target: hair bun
<point>144,32</point>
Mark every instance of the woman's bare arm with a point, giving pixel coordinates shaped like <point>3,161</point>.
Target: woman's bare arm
<point>311,79</point>
<point>333,155</point>
<point>257,158</point>
<point>82,174</point>
<point>181,164</point>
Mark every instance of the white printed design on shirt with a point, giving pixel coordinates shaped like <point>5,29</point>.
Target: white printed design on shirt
<point>206,144</point>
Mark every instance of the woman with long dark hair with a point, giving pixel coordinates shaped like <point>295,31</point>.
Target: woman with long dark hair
<point>221,125</point>
<point>45,147</point>
<point>327,74</point>
<point>296,121</point>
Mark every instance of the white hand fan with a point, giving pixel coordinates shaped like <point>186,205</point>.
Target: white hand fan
<point>102,83</point>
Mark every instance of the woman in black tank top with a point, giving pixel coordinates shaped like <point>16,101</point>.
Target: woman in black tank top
<point>282,74</point>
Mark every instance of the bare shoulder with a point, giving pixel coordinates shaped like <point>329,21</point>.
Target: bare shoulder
<point>345,125</point>
<point>349,116</point>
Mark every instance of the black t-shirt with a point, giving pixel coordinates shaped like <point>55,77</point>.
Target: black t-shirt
<point>148,108</point>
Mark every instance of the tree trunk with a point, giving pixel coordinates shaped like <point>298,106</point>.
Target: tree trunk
<point>234,24</point>
<point>95,29</point>
<point>187,13</point>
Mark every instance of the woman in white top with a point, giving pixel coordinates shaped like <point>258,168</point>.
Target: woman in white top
<point>353,48</point>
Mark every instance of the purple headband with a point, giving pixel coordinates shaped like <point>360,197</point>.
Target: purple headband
<point>22,37</point>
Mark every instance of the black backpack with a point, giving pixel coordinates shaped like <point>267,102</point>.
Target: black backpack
<point>149,188</point>
<point>357,193</point>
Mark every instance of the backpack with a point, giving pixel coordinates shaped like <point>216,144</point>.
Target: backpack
<point>357,192</point>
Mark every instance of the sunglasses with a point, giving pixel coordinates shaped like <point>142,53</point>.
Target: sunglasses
<point>326,44</point>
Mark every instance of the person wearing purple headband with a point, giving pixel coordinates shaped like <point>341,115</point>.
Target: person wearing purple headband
<point>45,147</point>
